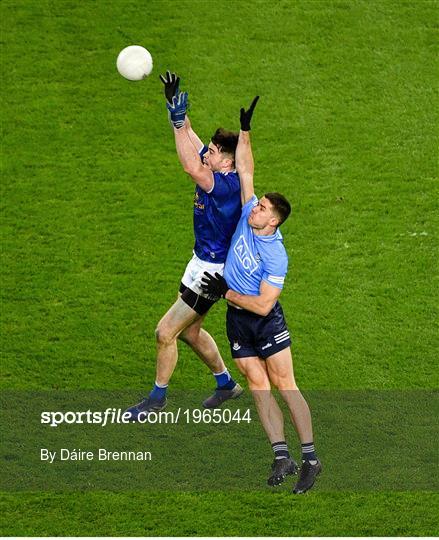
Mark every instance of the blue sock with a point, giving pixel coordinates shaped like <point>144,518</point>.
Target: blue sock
<point>224,380</point>
<point>308,452</point>
<point>158,392</point>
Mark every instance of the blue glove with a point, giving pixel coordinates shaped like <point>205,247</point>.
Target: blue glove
<point>177,109</point>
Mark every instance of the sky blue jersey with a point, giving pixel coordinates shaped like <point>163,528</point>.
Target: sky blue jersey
<point>215,215</point>
<point>252,258</point>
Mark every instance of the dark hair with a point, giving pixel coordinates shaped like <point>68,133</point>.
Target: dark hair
<point>226,141</point>
<point>281,207</point>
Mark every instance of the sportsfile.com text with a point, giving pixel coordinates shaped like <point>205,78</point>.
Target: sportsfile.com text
<point>116,416</point>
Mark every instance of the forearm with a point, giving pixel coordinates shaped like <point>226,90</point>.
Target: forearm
<point>244,155</point>
<point>186,151</point>
<point>196,141</point>
<point>245,166</point>
<point>256,304</point>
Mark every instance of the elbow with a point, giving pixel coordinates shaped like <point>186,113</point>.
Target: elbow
<point>245,174</point>
<point>243,170</point>
<point>189,169</point>
<point>264,309</point>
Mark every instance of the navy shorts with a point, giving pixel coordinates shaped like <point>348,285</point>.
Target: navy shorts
<point>255,335</point>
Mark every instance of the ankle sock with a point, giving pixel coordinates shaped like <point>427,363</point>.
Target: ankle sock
<point>224,380</point>
<point>158,392</point>
<point>280,450</point>
<point>309,452</point>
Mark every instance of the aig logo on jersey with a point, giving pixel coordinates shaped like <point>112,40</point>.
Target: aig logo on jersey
<point>244,254</point>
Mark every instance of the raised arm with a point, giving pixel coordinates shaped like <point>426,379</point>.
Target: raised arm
<point>190,159</point>
<point>187,142</point>
<point>244,157</point>
<point>245,166</point>
<point>196,141</point>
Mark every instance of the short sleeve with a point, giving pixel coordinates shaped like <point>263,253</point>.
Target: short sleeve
<point>202,153</point>
<point>275,269</point>
<point>249,205</point>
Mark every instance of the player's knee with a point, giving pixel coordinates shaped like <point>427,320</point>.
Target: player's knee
<point>163,335</point>
<point>259,386</point>
<point>285,384</point>
<point>257,381</point>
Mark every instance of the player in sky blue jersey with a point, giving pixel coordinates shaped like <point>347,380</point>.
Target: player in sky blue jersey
<point>253,257</point>
<point>254,275</point>
<point>217,209</point>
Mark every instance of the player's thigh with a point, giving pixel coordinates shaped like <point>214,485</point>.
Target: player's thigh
<point>280,369</point>
<point>178,317</point>
<point>255,371</point>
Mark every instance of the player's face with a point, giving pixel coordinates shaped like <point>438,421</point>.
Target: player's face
<point>214,159</point>
<point>262,215</point>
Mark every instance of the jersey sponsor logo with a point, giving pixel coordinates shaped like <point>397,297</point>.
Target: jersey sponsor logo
<point>245,256</point>
<point>197,204</point>
<point>236,346</point>
<point>267,346</point>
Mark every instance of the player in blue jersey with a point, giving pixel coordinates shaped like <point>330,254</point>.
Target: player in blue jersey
<point>254,275</point>
<point>217,209</point>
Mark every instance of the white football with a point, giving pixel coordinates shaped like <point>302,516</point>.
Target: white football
<point>134,63</point>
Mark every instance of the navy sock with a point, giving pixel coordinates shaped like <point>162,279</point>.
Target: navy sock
<point>308,452</point>
<point>158,392</point>
<point>280,450</point>
<point>224,380</point>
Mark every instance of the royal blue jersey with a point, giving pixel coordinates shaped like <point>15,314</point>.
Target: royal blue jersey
<point>216,214</point>
<point>254,258</point>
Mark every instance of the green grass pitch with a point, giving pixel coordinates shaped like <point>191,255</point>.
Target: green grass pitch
<point>97,226</point>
